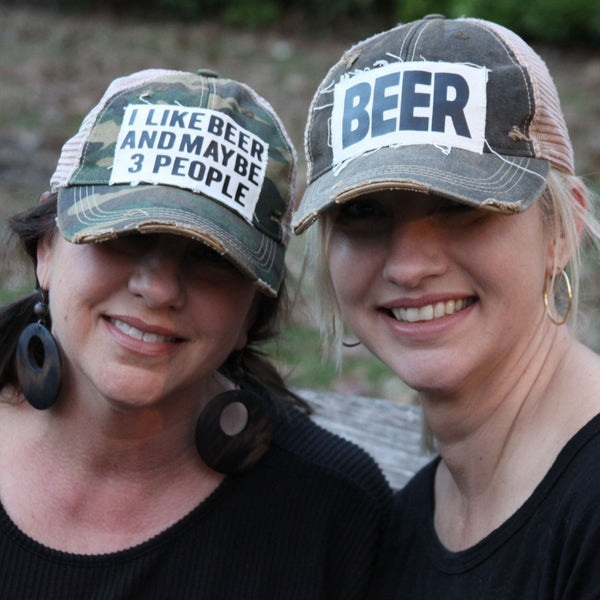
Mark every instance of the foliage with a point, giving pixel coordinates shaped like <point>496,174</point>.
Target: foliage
<point>552,21</point>
<point>249,13</point>
<point>555,21</point>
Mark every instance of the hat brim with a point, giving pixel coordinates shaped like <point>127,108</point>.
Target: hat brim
<point>94,213</point>
<point>486,180</point>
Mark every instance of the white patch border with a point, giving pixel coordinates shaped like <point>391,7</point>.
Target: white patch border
<point>135,165</point>
<point>475,111</point>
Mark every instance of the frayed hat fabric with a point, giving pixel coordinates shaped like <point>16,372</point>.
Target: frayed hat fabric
<point>462,108</point>
<point>184,153</point>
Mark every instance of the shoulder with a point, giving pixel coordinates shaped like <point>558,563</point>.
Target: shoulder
<point>327,457</point>
<point>575,476</point>
<point>412,506</point>
<point>579,457</point>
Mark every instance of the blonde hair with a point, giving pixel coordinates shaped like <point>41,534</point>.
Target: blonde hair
<point>568,207</point>
<point>571,222</point>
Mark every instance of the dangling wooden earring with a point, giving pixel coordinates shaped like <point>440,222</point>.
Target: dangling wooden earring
<point>233,431</point>
<point>565,277</point>
<point>38,360</point>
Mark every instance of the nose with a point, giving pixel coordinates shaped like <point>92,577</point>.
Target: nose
<point>157,280</point>
<point>414,253</point>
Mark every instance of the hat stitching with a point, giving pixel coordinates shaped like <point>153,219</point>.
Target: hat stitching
<point>211,93</point>
<point>501,180</point>
<point>508,162</point>
<point>516,134</point>
<point>419,34</point>
<point>262,254</point>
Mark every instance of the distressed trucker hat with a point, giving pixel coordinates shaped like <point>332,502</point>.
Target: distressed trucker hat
<point>184,153</point>
<point>463,108</point>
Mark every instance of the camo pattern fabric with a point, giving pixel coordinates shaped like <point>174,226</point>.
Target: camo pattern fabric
<point>183,132</point>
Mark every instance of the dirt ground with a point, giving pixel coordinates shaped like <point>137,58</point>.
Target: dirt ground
<point>54,68</point>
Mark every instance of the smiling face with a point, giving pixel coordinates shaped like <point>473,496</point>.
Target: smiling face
<point>442,293</point>
<point>143,318</point>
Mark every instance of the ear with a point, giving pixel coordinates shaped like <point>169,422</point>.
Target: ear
<point>45,197</point>
<point>564,243</point>
<point>44,258</point>
<point>249,321</point>
<point>581,199</point>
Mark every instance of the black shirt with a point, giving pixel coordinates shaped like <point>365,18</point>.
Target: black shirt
<point>549,549</point>
<point>304,523</point>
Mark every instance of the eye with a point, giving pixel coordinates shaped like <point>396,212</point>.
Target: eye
<point>203,253</point>
<point>452,213</point>
<point>363,215</point>
<point>362,208</point>
<point>450,206</point>
<point>130,245</point>
<point>207,260</point>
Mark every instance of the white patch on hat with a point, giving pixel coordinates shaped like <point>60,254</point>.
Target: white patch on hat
<point>199,149</point>
<point>412,103</point>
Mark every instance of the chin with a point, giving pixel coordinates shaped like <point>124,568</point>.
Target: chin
<point>426,376</point>
<point>130,395</point>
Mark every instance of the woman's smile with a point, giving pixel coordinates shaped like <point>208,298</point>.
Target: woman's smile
<point>144,336</point>
<point>430,312</point>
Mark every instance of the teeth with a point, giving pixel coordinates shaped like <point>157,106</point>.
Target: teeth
<point>439,310</point>
<point>412,314</point>
<point>430,311</point>
<point>138,334</point>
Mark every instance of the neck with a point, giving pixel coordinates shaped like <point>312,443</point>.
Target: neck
<point>97,471</point>
<point>481,413</point>
<point>498,440</point>
<point>97,436</point>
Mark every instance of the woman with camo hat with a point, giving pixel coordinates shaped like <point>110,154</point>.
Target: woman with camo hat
<point>147,448</point>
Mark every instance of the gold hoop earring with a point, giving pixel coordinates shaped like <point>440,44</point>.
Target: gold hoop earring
<point>565,277</point>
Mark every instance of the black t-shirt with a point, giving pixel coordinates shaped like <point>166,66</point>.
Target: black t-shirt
<point>549,549</point>
<point>304,523</point>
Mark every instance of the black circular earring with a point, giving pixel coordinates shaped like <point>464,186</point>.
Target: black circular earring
<point>38,360</point>
<point>233,431</point>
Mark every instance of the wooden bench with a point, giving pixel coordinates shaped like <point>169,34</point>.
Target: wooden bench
<point>392,433</point>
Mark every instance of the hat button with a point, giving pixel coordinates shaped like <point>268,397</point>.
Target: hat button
<point>433,16</point>
<point>207,73</point>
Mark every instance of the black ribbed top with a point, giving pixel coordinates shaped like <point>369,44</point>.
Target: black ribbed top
<point>303,523</point>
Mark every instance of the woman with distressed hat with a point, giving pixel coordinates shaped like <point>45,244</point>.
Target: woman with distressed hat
<point>147,447</point>
<point>447,213</point>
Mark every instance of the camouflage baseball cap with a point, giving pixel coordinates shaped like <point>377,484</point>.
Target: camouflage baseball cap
<point>183,153</point>
<point>461,108</point>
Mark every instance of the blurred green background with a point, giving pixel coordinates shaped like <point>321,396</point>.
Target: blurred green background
<point>57,57</point>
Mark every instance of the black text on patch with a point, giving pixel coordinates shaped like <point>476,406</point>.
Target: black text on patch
<point>400,104</point>
<point>202,150</point>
